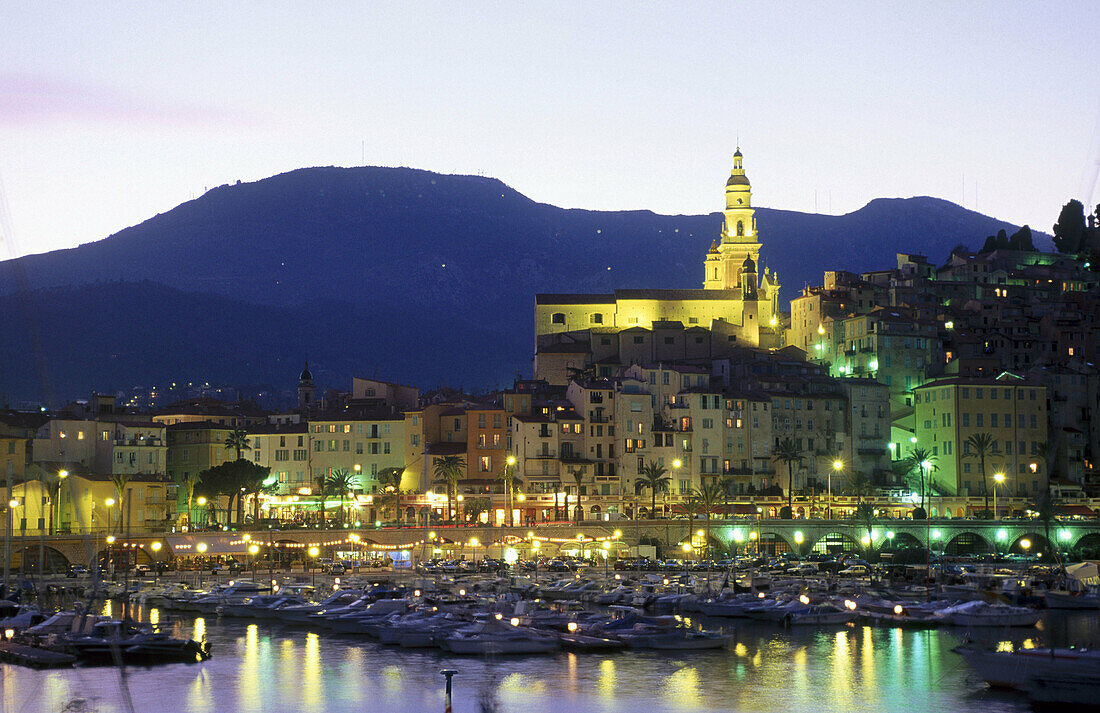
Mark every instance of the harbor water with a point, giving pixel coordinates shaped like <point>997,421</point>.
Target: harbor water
<point>270,668</point>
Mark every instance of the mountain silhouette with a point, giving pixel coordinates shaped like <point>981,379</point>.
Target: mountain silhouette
<point>408,274</point>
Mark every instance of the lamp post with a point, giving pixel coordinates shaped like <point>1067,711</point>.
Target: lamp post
<point>473,544</point>
<point>509,471</point>
<point>61,475</point>
<point>838,465</point>
<point>110,503</point>
<point>606,548</point>
<point>313,552</point>
<point>12,504</point>
<point>535,557</point>
<point>110,559</point>
<point>201,502</point>
<point>998,478</point>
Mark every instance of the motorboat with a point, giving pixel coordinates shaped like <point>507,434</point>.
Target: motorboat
<point>496,637</point>
<point>677,638</point>
<point>1063,599</point>
<point>1018,669</point>
<point>820,614</point>
<point>261,606</point>
<point>115,641</point>
<point>985,614</point>
<point>301,613</point>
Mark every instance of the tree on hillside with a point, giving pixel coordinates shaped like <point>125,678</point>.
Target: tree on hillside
<point>1070,231</point>
<point>1021,240</point>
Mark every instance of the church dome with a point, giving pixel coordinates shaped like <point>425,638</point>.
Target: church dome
<point>737,180</point>
<point>306,376</point>
<point>748,265</point>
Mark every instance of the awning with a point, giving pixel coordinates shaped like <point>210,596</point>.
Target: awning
<point>191,545</point>
<point>1078,510</point>
<point>1086,573</point>
<point>743,509</point>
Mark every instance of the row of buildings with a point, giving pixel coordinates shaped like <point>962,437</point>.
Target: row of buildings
<point>709,384</point>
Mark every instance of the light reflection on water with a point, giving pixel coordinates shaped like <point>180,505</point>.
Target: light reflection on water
<point>261,667</point>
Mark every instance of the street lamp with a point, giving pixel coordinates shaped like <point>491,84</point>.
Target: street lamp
<point>509,471</point>
<point>110,560</point>
<point>110,503</point>
<point>998,478</point>
<point>156,563</point>
<point>313,552</point>
<point>838,465</point>
<point>201,501</point>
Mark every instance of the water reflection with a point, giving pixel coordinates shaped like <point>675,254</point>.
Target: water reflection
<point>268,668</point>
<point>607,682</point>
<point>682,688</point>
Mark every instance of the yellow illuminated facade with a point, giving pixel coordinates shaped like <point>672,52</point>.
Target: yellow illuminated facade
<point>738,300</point>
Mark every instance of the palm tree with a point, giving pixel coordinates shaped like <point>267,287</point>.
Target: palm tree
<point>190,482</point>
<point>710,496</point>
<point>858,484</point>
<point>655,477</point>
<point>921,459</point>
<point>449,469</point>
<point>237,440</point>
<point>981,445</point>
<point>389,480</point>
<point>864,517</point>
<point>322,491</point>
<point>726,484</point>
<point>1047,509</point>
<point>120,481</point>
<point>339,483</point>
<point>787,451</point>
<point>578,476</point>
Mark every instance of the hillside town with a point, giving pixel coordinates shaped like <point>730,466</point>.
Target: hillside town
<point>958,389</point>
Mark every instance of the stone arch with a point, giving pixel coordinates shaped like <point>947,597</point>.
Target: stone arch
<point>903,541</point>
<point>967,543</point>
<point>772,544</point>
<point>947,513</point>
<point>1038,543</point>
<point>595,510</point>
<point>1089,541</point>
<point>26,560</point>
<point>833,543</point>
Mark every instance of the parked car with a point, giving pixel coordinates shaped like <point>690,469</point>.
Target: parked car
<point>77,570</point>
<point>337,568</point>
<point>142,569</point>
<point>855,570</point>
<point>803,569</point>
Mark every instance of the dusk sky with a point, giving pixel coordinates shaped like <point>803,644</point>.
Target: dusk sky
<point>112,112</point>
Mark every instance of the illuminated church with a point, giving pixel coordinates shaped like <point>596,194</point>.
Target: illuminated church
<point>737,306</point>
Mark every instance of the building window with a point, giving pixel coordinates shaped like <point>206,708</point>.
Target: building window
<point>557,318</point>
<point>597,318</point>
<point>484,464</point>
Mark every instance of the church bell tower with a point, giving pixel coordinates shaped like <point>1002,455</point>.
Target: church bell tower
<point>739,240</point>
